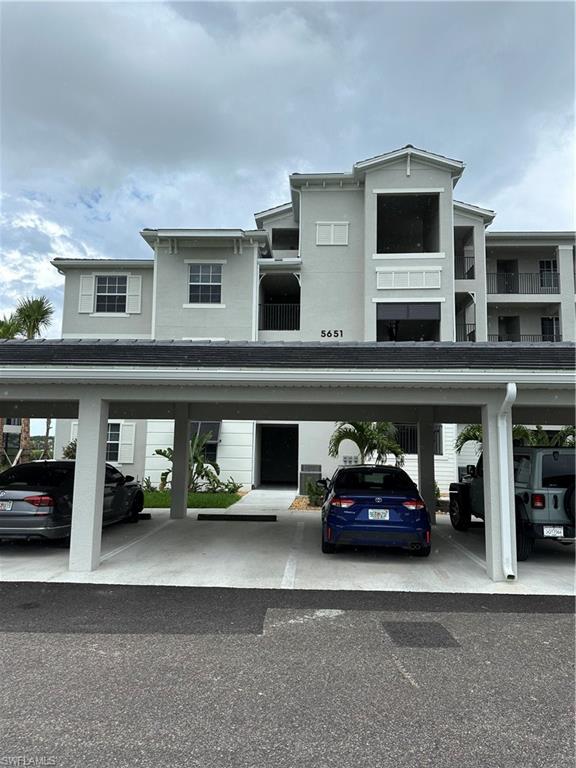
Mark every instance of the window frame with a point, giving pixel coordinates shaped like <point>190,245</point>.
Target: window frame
<point>548,269</point>
<point>97,294</point>
<point>332,224</point>
<point>109,443</point>
<point>200,283</point>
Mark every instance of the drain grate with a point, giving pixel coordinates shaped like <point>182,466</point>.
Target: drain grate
<point>240,517</point>
<point>420,634</point>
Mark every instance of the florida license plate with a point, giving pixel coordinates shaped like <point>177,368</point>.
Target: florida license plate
<point>378,514</point>
<point>5,506</point>
<point>553,530</point>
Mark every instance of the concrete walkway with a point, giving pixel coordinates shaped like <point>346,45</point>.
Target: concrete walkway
<point>264,500</point>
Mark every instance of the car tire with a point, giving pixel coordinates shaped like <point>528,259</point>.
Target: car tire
<point>328,548</point>
<point>423,551</point>
<point>524,542</point>
<point>137,507</point>
<point>460,517</point>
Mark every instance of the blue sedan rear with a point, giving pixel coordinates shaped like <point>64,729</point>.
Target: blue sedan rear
<point>374,505</point>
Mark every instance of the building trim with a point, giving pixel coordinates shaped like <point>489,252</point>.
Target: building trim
<point>407,299</point>
<point>203,306</point>
<point>399,256</point>
<point>408,190</point>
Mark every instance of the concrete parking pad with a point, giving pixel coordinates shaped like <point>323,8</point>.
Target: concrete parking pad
<point>285,554</point>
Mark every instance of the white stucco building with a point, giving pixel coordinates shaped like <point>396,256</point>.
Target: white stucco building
<point>383,252</point>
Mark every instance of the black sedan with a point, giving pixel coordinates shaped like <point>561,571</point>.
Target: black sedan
<point>36,499</point>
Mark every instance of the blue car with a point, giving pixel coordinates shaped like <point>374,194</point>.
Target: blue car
<point>374,505</point>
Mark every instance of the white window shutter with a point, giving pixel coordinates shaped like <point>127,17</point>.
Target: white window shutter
<point>86,297</point>
<point>323,234</point>
<point>416,279</point>
<point>432,279</point>
<point>126,451</point>
<point>340,234</point>
<point>401,279</point>
<point>73,430</point>
<point>134,295</point>
<point>385,280</point>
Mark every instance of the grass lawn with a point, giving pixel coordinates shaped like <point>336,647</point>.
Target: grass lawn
<point>161,500</point>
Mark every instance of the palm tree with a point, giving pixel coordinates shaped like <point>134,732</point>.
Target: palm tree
<point>10,326</point>
<point>32,315</point>
<point>521,435</point>
<point>373,438</point>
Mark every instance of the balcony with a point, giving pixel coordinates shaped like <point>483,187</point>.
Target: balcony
<point>466,332</point>
<point>525,337</point>
<point>279,317</point>
<point>465,268</point>
<point>523,282</point>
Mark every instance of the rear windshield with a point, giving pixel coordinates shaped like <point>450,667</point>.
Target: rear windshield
<point>377,479</point>
<point>36,476</point>
<point>557,470</point>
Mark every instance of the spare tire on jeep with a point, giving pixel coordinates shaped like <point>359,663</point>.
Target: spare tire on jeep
<point>569,502</point>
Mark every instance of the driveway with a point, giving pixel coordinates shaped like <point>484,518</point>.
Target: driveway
<point>283,555</point>
<point>159,677</point>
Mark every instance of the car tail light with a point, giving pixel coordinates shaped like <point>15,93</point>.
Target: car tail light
<point>40,501</point>
<point>538,501</point>
<point>413,504</point>
<point>342,503</point>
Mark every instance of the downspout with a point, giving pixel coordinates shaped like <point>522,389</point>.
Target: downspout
<point>504,475</point>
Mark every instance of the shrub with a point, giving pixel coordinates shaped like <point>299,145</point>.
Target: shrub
<point>315,493</point>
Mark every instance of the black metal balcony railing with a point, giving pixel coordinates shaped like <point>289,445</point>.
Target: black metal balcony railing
<point>523,282</point>
<point>465,268</point>
<point>279,317</point>
<point>526,337</point>
<point>466,332</point>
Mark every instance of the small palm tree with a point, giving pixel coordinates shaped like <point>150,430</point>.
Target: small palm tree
<point>10,326</point>
<point>373,439</point>
<point>564,438</point>
<point>521,435</point>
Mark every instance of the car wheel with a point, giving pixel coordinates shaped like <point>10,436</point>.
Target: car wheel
<point>524,542</point>
<point>459,516</point>
<point>423,551</point>
<point>328,548</point>
<point>137,507</point>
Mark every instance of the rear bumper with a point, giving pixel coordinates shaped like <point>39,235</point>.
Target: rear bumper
<point>32,529</point>
<point>378,535</point>
<point>537,530</point>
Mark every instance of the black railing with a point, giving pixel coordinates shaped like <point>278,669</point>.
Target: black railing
<point>466,332</point>
<point>526,337</point>
<point>465,268</point>
<point>523,282</point>
<point>279,317</point>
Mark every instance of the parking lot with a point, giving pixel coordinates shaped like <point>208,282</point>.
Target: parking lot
<point>283,554</point>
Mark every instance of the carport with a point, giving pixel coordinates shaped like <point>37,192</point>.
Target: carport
<point>419,382</point>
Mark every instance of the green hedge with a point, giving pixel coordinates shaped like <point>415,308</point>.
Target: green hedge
<point>161,500</point>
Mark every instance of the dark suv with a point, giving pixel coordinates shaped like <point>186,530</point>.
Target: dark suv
<point>543,492</point>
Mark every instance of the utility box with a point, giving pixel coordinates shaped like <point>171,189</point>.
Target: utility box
<point>308,472</point>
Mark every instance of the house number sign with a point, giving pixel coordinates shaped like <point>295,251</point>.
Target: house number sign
<point>332,334</point>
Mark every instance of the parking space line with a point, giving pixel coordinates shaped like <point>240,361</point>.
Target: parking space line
<point>117,551</point>
<point>289,577</point>
<point>471,555</point>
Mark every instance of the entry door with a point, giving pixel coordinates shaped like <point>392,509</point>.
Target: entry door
<point>279,454</point>
<point>509,328</point>
<point>507,270</point>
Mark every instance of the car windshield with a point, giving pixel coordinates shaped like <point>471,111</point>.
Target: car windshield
<point>557,470</point>
<point>377,479</point>
<point>36,475</point>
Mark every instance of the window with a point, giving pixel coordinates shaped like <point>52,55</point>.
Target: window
<point>113,442</point>
<point>549,273</point>
<point>285,239</point>
<point>373,479</point>
<point>332,233</point>
<point>407,438</point>
<point>111,293</point>
<point>205,284</point>
<point>557,470</point>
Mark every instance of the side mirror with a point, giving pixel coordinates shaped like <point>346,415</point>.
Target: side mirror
<point>471,470</point>
<point>322,483</point>
<point>128,478</point>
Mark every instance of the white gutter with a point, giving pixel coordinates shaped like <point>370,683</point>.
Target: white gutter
<point>503,421</point>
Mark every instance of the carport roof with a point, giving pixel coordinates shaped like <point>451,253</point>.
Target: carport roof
<point>301,355</point>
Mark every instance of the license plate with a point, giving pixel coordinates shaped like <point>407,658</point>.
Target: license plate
<point>554,530</point>
<point>5,506</point>
<point>378,514</point>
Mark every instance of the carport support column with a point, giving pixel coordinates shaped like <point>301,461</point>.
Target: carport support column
<point>181,447</point>
<point>498,471</point>
<point>86,534</point>
<point>426,481</point>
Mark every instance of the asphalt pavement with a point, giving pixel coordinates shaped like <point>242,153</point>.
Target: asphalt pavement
<point>98,675</point>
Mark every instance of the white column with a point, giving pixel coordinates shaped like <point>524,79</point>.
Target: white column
<point>498,471</point>
<point>566,276</point>
<point>179,485</point>
<point>86,535</point>
<point>426,459</point>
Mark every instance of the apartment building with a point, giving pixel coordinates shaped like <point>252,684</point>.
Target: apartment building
<point>381,253</point>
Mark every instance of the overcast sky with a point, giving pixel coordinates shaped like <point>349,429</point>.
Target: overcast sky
<point>117,117</point>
